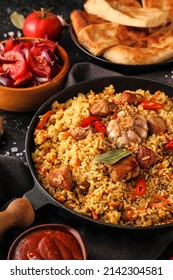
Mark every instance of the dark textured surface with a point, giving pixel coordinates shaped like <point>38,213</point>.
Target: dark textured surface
<point>100,245</point>
<point>16,123</point>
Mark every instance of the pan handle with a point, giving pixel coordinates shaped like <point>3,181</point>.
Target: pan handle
<point>37,197</point>
<point>18,213</point>
<point>21,211</point>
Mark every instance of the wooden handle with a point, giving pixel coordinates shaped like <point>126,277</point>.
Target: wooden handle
<point>19,213</point>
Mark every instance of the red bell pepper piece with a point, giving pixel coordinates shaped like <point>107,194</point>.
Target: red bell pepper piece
<point>44,119</point>
<point>87,121</point>
<point>141,186</point>
<point>99,126</point>
<point>169,144</point>
<point>151,105</point>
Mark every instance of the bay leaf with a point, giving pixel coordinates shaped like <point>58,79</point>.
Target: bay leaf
<point>111,156</point>
<point>17,19</point>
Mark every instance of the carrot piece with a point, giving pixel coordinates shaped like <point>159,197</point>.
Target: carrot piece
<point>95,216</point>
<point>160,197</point>
<point>41,168</point>
<point>44,119</point>
<point>77,164</point>
<point>60,199</point>
<point>130,213</point>
<point>114,203</point>
<point>157,204</point>
<point>65,135</point>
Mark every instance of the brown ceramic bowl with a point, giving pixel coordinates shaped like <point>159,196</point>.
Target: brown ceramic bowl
<point>26,99</point>
<point>65,238</point>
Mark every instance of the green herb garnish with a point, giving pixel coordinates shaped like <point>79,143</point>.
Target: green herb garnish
<point>112,156</point>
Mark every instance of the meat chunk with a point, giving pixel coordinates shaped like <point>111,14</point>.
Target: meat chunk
<point>83,187</point>
<point>147,157</point>
<point>131,98</point>
<point>125,169</point>
<point>78,133</point>
<point>61,177</point>
<point>156,124</point>
<point>102,108</point>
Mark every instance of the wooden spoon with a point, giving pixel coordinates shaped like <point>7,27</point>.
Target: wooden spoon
<point>19,213</point>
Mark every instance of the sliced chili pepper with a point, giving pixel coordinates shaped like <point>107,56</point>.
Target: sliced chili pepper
<point>151,105</point>
<point>141,186</point>
<point>169,144</point>
<point>99,126</point>
<point>87,121</point>
<point>44,119</point>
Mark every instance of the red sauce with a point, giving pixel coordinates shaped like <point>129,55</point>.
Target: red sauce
<point>48,245</point>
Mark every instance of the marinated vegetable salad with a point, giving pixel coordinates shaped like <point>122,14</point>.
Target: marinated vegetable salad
<point>28,63</point>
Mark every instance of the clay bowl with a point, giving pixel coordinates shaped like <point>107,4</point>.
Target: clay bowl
<point>26,99</point>
<point>67,244</point>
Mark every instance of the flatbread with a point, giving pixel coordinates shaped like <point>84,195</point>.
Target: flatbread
<point>156,48</point>
<point>160,38</point>
<point>81,19</point>
<point>126,55</point>
<point>96,35</point>
<point>116,12</point>
<point>164,5</point>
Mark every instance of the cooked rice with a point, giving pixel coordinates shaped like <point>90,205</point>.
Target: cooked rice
<point>107,201</point>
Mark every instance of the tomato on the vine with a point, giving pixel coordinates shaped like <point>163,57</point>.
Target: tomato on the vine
<point>42,24</point>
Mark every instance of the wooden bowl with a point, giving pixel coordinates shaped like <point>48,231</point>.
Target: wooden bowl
<point>32,244</point>
<point>27,99</point>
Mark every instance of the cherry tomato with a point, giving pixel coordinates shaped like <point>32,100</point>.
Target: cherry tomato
<point>42,24</point>
<point>18,68</point>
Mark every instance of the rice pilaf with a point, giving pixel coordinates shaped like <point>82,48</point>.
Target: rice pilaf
<point>72,163</point>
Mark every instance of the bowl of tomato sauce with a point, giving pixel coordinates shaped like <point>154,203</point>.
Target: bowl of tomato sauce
<point>48,242</point>
<point>31,71</point>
